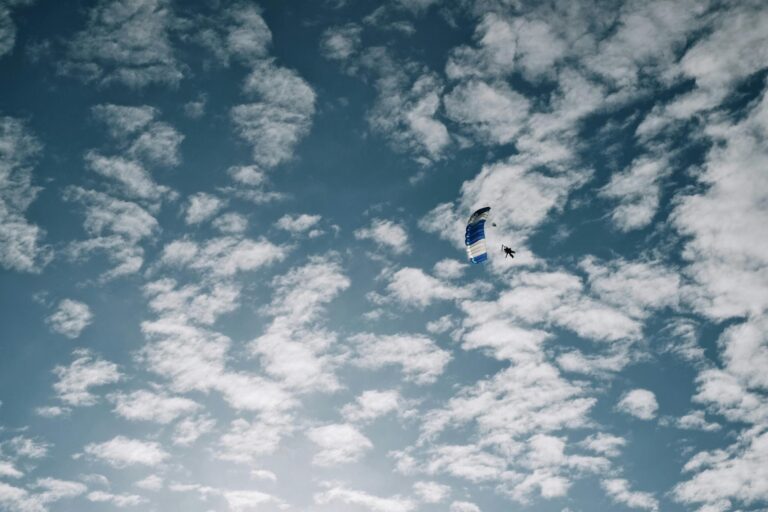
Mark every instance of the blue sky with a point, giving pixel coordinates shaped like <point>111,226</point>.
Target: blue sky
<point>232,273</point>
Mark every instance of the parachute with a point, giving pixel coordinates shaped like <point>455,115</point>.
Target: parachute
<point>474,237</point>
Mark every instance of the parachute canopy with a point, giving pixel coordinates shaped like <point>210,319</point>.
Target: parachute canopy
<point>474,237</point>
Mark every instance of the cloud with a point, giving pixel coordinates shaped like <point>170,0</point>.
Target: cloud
<point>464,506</point>
<point>116,227</point>
<point>372,404</point>
<point>638,287</point>
<point>412,287</point>
<point>7,27</point>
<point>118,500</point>
<point>247,442</point>
<point>619,491</point>
<point>150,483</point>
<point>340,43</point>
<point>133,178</point>
<point>696,420</point>
<point>242,501</point>
<point>201,304</point>
<point>370,502</point>
<point>70,318</point>
<point>295,348</point>
<point>386,233</point>
<point>605,444</point>
<point>638,191</point>
<point>521,200</point>
<point>121,451</point>
<point>190,429</point>
<point>639,403</point>
<point>406,106</point>
<point>281,116</point>
<point>224,256</point>
<point>421,359</point>
<point>231,223</point>
<point>338,443</point>
<point>21,247</point>
<point>723,479</point>
<point>723,225</point>
<point>297,223</point>
<point>48,490</point>
<point>493,114</point>
<point>431,492</point>
<point>85,372</point>
<point>124,121</point>
<point>125,42</point>
<point>201,207</point>
<point>145,405</point>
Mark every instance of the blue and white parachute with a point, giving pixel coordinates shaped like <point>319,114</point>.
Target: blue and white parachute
<point>474,238</point>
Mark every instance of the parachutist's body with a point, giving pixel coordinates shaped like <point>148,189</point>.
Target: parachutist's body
<point>507,251</point>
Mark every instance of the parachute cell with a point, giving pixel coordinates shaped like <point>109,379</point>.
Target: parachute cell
<point>474,237</point>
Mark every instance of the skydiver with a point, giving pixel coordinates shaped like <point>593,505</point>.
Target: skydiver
<point>507,251</point>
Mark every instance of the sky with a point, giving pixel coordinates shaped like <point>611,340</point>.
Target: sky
<point>233,275</point>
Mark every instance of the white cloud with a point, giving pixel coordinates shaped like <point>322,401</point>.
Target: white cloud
<point>638,191</point>
<point>509,406</point>
<point>8,470</point>
<point>49,490</point>
<point>637,287</point>
<point>386,233</point>
<point>605,444</point>
<point>118,500</point>
<point>248,36</point>
<point>145,405</point>
<point>421,359</point>
<point>188,430</point>
<point>295,348</point>
<point>724,478</point>
<point>134,179</point>
<point>619,491</point>
<point>726,225</point>
<point>372,404</point>
<point>246,442</point>
<point>223,256</point>
<point>696,420</point>
<point>202,207</point>
<point>297,223</point>
<point>411,286</point>
<point>464,506</point>
<point>340,43</point>
<point>449,269</point>
<point>200,304</point>
<point>125,42</point>
<point>231,223</point>
<point>243,501</point>
<point>493,114</point>
<point>70,318</point>
<point>361,498</point>
<point>275,123</point>
<point>639,403</point>
<point>21,246</point>
<point>121,451</point>
<point>85,372</point>
<point>116,227</point>
<point>158,145</point>
<point>431,492</point>
<point>7,26</point>
<point>521,200</point>
<point>124,121</point>
<point>150,483</point>
<point>338,444</point>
